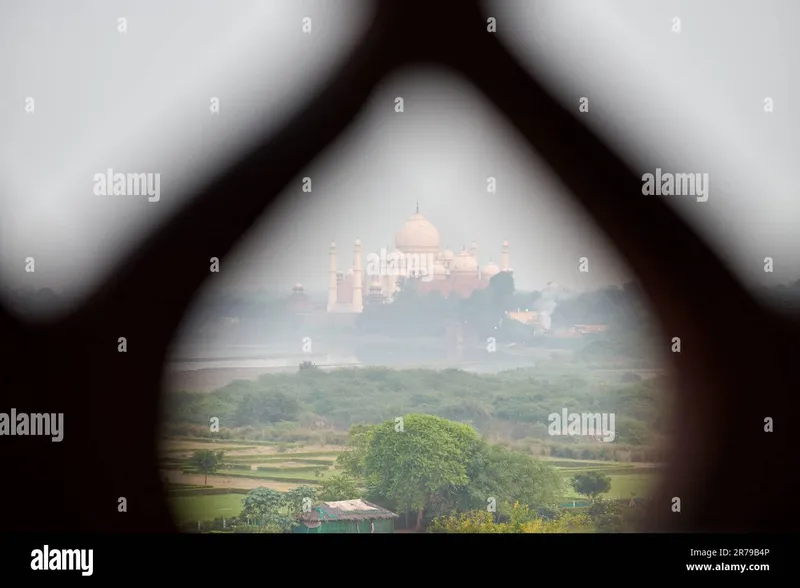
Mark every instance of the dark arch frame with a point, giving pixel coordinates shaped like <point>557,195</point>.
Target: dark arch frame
<point>730,475</point>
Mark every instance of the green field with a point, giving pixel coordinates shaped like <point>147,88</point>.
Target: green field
<point>205,508</point>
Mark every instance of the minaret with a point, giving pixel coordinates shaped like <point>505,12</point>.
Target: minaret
<point>358,301</point>
<point>386,279</point>
<point>334,285</point>
<point>504,266</point>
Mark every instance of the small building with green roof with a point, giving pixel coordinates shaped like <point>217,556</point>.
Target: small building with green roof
<point>346,516</point>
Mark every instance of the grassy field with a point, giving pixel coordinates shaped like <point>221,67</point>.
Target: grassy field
<point>205,508</point>
<point>276,467</point>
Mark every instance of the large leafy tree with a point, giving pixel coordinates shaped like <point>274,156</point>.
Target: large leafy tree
<point>411,463</point>
<point>507,477</point>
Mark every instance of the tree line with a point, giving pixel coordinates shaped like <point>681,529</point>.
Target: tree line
<point>515,402</point>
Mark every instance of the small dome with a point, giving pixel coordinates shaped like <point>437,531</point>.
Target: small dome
<point>439,271</point>
<point>490,270</point>
<point>465,264</point>
<point>298,286</point>
<point>505,243</point>
<point>448,254</point>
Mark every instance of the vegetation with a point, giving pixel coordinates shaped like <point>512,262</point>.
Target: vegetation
<point>520,519</point>
<point>510,407</point>
<point>413,314</point>
<point>423,463</point>
<point>206,462</point>
<point>496,478</point>
<point>591,484</point>
<point>339,487</point>
<point>269,511</point>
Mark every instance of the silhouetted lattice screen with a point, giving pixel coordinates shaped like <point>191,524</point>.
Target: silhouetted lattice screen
<point>725,389</point>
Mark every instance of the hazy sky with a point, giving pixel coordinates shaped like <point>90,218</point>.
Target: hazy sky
<point>139,102</point>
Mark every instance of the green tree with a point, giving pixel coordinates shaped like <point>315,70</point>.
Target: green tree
<point>352,459</point>
<point>613,517</point>
<point>412,464</point>
<point>502,289</point>
<point>269,509</point>
<point>509,477</point>
<point>300,499</point>
<point>266,407</point>
<point>339,487</point>
<point>591,484</point>
<point>607,515</point>
<point>206,461</point>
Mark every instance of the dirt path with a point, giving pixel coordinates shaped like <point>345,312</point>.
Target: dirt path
<point>176,477</point>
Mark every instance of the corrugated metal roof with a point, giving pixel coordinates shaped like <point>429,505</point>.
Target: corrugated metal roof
<point>344,510</point>
<point>351,505</point>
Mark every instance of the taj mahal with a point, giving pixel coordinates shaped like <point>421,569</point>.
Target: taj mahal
<point>417,256</point>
